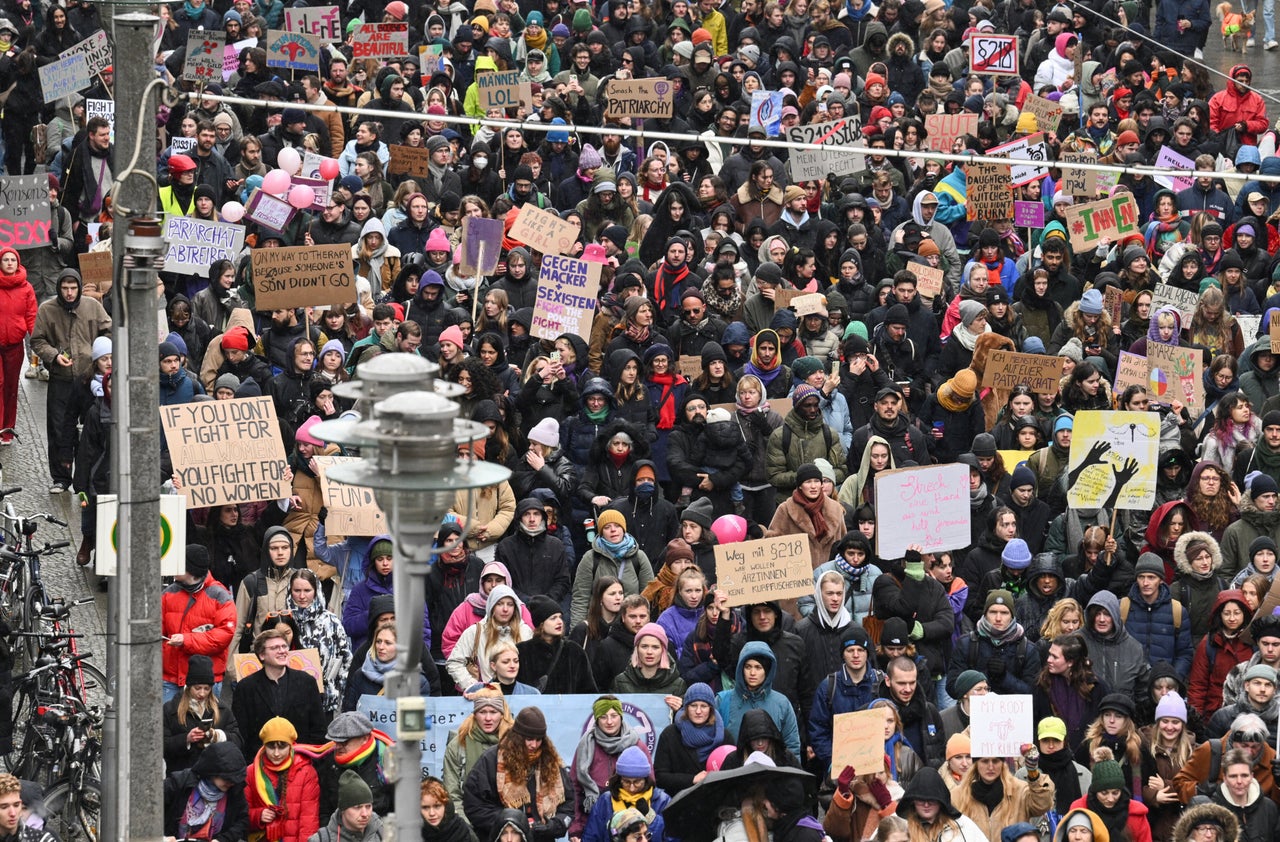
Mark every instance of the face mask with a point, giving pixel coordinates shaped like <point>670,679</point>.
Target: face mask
<point>645,489</point>
<point>480,163</point>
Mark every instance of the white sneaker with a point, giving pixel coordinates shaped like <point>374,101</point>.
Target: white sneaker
<point>57,488</point>
<point>1250,43</point>
<point>1272,44</point>
<point>32,371</point>
<point>1199,53</point>
<point>42,374</point>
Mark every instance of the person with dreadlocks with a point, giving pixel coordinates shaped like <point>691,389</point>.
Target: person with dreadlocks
<point>282,790</point>
<point>356,746</point>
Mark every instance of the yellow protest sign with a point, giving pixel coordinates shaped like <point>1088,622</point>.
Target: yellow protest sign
<point>1113,460</point>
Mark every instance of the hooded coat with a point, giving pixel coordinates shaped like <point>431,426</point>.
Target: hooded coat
<point>1118,659</point>
<point>1198,596</point>
<point>1215,656</point>
<point>1240,535</point>
<point>736,702</point>
<point>223,760</point>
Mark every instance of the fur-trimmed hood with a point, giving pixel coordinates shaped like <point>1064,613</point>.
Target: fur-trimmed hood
<point>1180,551</point>
<point>1195,815</point>
<point>898,38</point>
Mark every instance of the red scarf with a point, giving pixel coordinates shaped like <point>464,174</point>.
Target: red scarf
<point>665,280</point>
<point>814,509</point>
<point>666,404</point>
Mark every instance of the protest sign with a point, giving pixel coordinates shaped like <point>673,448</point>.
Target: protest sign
<point>566,297</point>
<point>245,664</point>
<point>1014,458</point>
<point>1075,181</point>
<point>1131,370</point>
<point>1111,219</point>
<point>226,451</point>
<point>929,280</point>
<point>1113,460</point>
<point>321,187</point>
<point>1000,725</point>
<point>311,165</point>
<point>303,276</point>
<point>96,50</point>
<point>840,140</point>
<point>766,110</point>
<point>943,129</point>
<point>204,56</point>
<point>1048,113</point>
<point>1006,369</point>
<point>173,533</point>
<point>381,40</point>
<point>543,231</point>
<point>1033,150</point>
<point>993,54</point>
<point>770,568</point>
<point>568,718</point>
<point>95,268</point>
<point>1274,334</point>
<point>988,194</point>
<point>24,211</point>
<point>413,161</point>
<point>810,304</point>
<point>104,108</point>
<point>182,145</point>
<point>323,22</point>
<point>231,56</point>
<point>64,77</point>
<point>498,89</point>
<point>195,244</point>
<point>1249,326</point>
<point>1102,183</point>
<point>1028,214</point>
<point>1113,303</point>
<point>689,367</point>
<point>1170,160</point>
<point>293,50</point>
<point>1176,373</point>
<point>782,298</point>
<point>430,57</point>
<point>927,506</point>
<point>858,741</point>
<point>638,99</point>
<point>481,245</point>
<point>1182,300</point>
<point>353,510</point>
<point>268,211</point>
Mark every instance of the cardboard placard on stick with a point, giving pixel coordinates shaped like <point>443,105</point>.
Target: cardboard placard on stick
<point>543,231</point>
<point>498,89</point>
<point>770,568</point>
<point>1111,218</point>
<point>1032,151</point>
<point>943,129</point>
<point>204,56</point>
<point>323,22</point>
<point>303,276</point>
<point>63,78</point>
<point>226,451</point>
<point>1006,369</point>
<point>857,741</point>
<point>689,367</point>
<point>929,279</point>
<point>24,211</point>
<point>1028,214</point>
<point>1131,370</point>
<point>1113,460</point>
<point>1075,181</point>
<point>413,161</point>
<point>989,196</point>
<point>481,245</point>
<point>927,506</point>
<point>639,99</point>
<point>993,54</point>
<point>96,50</point>
<point>567,296</point>
<point>1176,373</point>
<point>353,510</point>
<point>95,268</point>
<point>999,725</point>
<point>1048,113</point>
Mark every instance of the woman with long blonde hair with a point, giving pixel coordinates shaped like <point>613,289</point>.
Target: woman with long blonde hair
<point>1115,731</point>
<point>1213,327</point>
<point>1065,617</point>
<point>488,723</point>
<point>1167,746</point>
<point>931,817</point>
<point>469,662</point>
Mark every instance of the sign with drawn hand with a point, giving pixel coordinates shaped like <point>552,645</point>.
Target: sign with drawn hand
<point>1113,460</point>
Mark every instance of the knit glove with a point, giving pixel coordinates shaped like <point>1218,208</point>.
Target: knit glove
<point>996,669</point>
<point>846,777</point>
<point>914,566</point>
<point>917,631</point>
<point>879,792</point>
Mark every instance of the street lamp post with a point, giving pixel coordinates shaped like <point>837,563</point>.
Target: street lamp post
<point>410,448</point>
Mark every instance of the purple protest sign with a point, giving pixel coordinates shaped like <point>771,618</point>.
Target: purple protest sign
<point>1028,214</point>
<point>481,245</point>
<point>320,186</point>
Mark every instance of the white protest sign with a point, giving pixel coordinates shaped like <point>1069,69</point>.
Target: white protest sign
<point>204,56</point>
<point>195,244</point>
<point>64,77</point>
<point>96,50</point>
<point>999,726</point>
<point>104,108</point>
<point>840,139</point>
<point>1032,149</point>
<point>323,22</point>
<point>928,506</point>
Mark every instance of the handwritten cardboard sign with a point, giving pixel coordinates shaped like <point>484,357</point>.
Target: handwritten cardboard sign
<point>840,140</point>
<point>989,196</point>
<point>1006,369</point>
<point>1032,150</point>
<point>1000,725</point>
<point>814,303</point>
<point>1113,459</point>
<point>293,50</point>
<point>1028,214</point>
<point>1274,334</point>
<point>381,40</point>
<point>24,211</point>
<point>927,506</point>
<point>195,244</point>
<point>96,50</point>
<point>566,298</point>
<point>1048,113</point>
<point>95,268</point>
<point>413,161</point>
<point>943,129</point>
<point>639,99</point>
<point>1110,218</point>
<point>204,56</point>
<point>481,245</point>
<point>498,89</point>
<point>858,741</point>
<point>770,568</point>
<point>543,230</point>
<point>1131,370</point>
<point>268,211</point>
<point>689,367</point>
<point>1075,182</point>
<point>226,451</point>
<point>993,54</point>
<point>323,22</point>
<point>352,509</point>
<point>64,77</point>
<point>929,279</point>
<point>1113,303</point>
<point>1176,373</point>
<point>1182,300</point>
<point>245,664</point>
<point>303,276</point>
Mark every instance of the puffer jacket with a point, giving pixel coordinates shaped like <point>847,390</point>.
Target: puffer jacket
<point>838,693</point>
<point>1215,656</point>
<point>1118,660</point>
<point>634,571</point>
<point>734,703</point>
<point>1152,625</point>
<point>298,817</point>
<point>18,304</point>
<point>1198,596</point>
<point>206,619</point>
<point>807,442</point>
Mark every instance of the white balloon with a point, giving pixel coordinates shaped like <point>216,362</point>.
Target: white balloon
<point>289,160</point>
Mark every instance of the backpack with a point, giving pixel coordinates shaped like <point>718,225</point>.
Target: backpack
<point>1210,784</point>
<point>1177,613</point>
<point>259,585</point>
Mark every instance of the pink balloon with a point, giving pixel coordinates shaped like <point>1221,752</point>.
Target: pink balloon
<point>329,168</point>
<point>276,181</point>
<point>729,529</point>
<point>718,756</point>
<point>289,160</point>
<point>301,196</point>
<point>233,211</point>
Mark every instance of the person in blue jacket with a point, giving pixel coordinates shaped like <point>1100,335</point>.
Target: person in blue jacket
<point>753,690</point>
<point>377,581</point>
<point>852,687</point>
<point>631,786</point>
<point>1152,619</point>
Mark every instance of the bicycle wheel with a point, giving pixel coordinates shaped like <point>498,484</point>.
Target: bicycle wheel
<point>73,815</point>
<point>90,686</point>
<point>33,605</point>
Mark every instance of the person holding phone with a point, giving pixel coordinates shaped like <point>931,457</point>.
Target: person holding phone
<point>196,719</point>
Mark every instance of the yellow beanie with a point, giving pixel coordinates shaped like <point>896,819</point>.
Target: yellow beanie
<point>1026,123</point>
<point>277,729</point>
<point>611,516</point>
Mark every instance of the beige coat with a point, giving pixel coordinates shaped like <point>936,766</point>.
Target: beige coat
<point>1023,801</point>
<point>302,522</point>
<point>495,509</point>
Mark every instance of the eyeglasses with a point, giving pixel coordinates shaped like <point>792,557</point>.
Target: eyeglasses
<point>274,614</point>
<point>692,311</point>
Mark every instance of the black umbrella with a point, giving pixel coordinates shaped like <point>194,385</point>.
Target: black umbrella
<point>694,814</point>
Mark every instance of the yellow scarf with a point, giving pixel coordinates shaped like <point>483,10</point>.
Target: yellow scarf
<point>536,43</point>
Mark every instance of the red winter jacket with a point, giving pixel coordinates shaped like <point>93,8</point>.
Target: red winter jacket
<point>301,811</point>
<point>1204,685</point>
<point>206,620</point>
<point>17,305</point>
